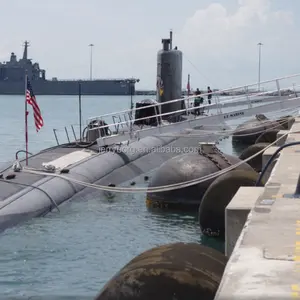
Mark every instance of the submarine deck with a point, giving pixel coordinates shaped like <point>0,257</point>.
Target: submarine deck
<point>68,155</point>
<point>30,195</point>
<point>22,180</point>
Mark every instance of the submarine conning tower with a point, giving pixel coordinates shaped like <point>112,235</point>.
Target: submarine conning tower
<point>169,79</point>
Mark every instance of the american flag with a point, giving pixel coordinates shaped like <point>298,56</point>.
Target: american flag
<point>188,86</point>
<point>30,98</point>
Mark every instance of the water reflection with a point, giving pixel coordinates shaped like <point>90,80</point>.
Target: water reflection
<point>173,217</point>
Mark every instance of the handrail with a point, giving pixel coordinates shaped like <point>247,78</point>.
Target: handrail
<point>254,84</point>
<point>218,105</point>
<point>236,99</point>
<point>169,113</point>
<point>158,115</point>
<point>194,96</point>
<point>173,112</point>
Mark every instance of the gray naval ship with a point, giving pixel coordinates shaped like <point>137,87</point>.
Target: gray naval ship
<point>115,149</point>
<point>12,77</point>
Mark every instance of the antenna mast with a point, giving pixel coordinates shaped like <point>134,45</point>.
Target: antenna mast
<point>25,53</point>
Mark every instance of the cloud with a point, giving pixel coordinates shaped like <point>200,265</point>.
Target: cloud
<point>215,27</point>
<point>221,41</point>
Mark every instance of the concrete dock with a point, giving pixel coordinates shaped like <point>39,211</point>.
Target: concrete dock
<point>263,233</point>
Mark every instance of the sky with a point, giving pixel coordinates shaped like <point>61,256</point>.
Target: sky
<point>218,38</point>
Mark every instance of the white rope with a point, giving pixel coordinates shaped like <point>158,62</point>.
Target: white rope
<point>164,188</point>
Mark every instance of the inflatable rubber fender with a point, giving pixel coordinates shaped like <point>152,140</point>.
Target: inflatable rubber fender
<point>269,136</point>
<point>183,168</point>
<point>286,121</point>
<point>256,162</point>
<point>174,271</point>
<point>250,131</point>
<point>218,196</point>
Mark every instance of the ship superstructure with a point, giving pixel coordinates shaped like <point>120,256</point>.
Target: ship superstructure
<point>12,76</point>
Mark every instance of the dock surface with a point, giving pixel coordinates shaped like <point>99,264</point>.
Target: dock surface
<point>265,262</point>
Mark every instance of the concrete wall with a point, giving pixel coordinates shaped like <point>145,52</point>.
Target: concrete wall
<point>263,233</point>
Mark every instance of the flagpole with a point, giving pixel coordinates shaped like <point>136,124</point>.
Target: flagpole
<point>26,121</point>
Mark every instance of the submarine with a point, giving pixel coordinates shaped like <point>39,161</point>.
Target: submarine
<point>25,195</point>
<point>117,147</point>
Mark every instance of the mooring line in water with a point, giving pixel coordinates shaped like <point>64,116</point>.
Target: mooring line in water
<point>159,188</point>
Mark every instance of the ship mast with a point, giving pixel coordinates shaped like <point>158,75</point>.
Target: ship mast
<point>25,53</point>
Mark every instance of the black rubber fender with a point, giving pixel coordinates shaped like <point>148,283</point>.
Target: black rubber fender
<point>269,136</point>
<point>256,162</point>
<point>217,197</point>
<point>249,131</point>
<point>183,168</point>
<point>174,271</point>
<point>285,121</point>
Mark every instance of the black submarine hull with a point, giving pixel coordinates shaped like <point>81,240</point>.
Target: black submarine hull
<point>30,195</point>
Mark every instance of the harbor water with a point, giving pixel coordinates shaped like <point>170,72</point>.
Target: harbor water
<point>75,252</point>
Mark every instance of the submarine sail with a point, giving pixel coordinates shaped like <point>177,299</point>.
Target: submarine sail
<point>169,78</point>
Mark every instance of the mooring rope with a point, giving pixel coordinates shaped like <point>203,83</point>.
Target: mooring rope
<point>157,189</point>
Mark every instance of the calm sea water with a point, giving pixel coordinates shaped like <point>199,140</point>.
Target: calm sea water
<point>75,252</point>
